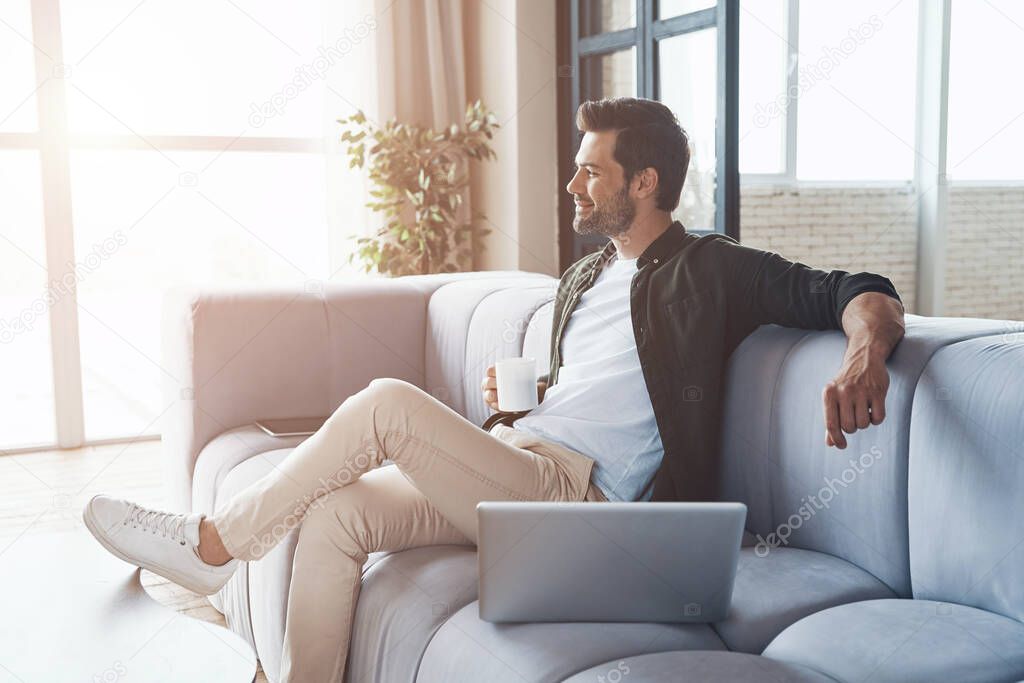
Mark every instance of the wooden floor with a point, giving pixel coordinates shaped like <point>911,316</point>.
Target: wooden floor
<point>44,492</point>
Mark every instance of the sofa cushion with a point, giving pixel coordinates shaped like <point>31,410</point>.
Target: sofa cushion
<point>466,648</point>
<point>905,641</point>
<point>697,667</point>
<point>225,452</point>
<point>850,503</point>
<point>777,587</point>
<point>405,597</point>
<point>967,476</point>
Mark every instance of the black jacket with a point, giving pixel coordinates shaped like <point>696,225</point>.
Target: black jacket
<point>693,300</point>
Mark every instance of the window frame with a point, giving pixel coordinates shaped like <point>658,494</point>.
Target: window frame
<point>789,176</point>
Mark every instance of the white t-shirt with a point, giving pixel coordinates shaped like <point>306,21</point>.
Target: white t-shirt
<point>600,406</point>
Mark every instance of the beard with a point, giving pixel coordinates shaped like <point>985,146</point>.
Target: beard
<point>611,219</point>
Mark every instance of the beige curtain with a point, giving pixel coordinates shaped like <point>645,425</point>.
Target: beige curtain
<point>412,67</point>
<point>422,67</point>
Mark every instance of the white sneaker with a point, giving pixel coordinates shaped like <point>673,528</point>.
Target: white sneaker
<point>162,542</point>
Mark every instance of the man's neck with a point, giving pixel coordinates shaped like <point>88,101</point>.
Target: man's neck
<point>633,241</point>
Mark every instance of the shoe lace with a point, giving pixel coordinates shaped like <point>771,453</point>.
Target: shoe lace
<point>166,523</point>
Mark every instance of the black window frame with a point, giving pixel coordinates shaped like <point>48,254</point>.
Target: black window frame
<point>572,48</point>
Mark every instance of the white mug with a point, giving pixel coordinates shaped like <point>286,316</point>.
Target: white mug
<point>517,384</point>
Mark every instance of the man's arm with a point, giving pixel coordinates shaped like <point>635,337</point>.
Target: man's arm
<point>775,290</point>
<point>864,305</point>
<point>855,399</point>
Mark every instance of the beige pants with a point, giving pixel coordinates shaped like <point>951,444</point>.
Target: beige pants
<point>333,487</point>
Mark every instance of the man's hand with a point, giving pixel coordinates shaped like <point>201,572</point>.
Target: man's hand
<point>489,386</point>
<point>855,399</point>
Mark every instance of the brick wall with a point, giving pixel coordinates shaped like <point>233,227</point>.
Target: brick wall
<point>985,252</point>
<point>874,228</point>
<point>854,229</point>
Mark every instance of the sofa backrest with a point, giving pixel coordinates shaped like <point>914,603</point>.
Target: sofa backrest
<point>966,489</point>
<point>472,323</point>
<point>850,503</point>
<point>233,354</point>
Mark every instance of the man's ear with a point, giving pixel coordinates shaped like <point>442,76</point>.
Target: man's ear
<point>647,182</point>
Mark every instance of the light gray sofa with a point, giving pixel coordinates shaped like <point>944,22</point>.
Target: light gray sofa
<point>905,564</point>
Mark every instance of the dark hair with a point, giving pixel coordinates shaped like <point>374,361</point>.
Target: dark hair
<point>648,135</point>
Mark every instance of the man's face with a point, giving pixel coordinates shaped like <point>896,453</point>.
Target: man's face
<point>603,204</point>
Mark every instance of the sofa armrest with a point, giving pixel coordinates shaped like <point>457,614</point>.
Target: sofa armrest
<point>234,355</point>
<point>231,355</point>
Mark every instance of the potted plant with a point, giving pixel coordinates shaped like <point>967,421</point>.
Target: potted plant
<point>418,176</point>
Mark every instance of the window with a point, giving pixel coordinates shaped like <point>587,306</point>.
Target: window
<point>25,364</point>
<point>157,161</point>
<point>836,119</point>
<point>692,98</point>
<point>764,55</point>
<point>606,16</point>
<point>610,75</point>
<point>812,105</point>
<point>852,124</point>
<point>18,96</point>
<point>986,129</point>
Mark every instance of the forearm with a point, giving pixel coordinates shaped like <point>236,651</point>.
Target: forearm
<point>873,323</point>
<point>855,399</point>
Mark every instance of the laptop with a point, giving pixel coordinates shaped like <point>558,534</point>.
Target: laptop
<point>607,561</point>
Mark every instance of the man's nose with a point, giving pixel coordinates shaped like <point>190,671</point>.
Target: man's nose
<point>572,187</point>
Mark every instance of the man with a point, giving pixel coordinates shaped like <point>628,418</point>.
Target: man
<point>630,408</point>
